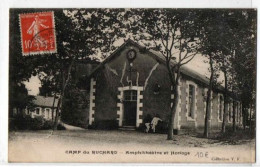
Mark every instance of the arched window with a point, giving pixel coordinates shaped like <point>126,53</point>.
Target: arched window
<point>191,101</point>
<point>221,107</point>
<point>237,108</point>
<point>47,112</point>
<point>230,113</point>
<point>37,111</point>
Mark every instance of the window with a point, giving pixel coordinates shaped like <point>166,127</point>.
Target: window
<point>47,113</point>
<point>220,116</point>
<point>230,113</point>
<point>237,107</point>
<point>191,101</point>
<point>130,95</point>
<point>37,111</point>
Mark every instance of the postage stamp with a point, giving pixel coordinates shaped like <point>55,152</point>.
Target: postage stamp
<point>37,33</point>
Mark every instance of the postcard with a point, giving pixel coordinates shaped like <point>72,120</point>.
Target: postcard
<point>132,85</point>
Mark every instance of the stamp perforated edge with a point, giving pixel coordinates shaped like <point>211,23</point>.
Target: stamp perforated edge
<point>54,33</point>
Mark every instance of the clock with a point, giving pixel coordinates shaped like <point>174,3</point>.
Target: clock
<point>131,54</point>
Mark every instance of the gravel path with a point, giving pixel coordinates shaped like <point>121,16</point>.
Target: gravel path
<point>80,146</point>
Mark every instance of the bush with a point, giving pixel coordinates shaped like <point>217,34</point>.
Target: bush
<point>104,124</point>
<point>47,125</point>
<point>37,123</point>
<point>28,123</point>
<point>60,127</point>
<point>141,127</point>
<point>20,123</point>
<point>161,127</point>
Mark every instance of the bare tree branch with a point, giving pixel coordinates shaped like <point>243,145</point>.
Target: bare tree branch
<point>189,59</point>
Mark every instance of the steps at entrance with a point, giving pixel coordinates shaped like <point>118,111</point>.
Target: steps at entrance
<point>127,128</point>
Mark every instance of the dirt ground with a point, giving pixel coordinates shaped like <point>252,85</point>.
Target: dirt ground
<point>126,146</point>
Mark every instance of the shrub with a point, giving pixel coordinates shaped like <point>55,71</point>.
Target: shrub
<point>28,123</point>
<point>37,123</point>
<point>60,127</point>
<point>161,127</point>
<point>47,125</point>
<point>141,127</point>
<point>20,123</point>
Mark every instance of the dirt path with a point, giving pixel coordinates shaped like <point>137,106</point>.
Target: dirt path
<point>42,146</point>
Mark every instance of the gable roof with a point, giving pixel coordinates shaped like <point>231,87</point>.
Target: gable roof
<point>45,101</point>
<point>156,55</point>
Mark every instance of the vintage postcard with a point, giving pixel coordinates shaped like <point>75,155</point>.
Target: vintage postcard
<point>132,85</point>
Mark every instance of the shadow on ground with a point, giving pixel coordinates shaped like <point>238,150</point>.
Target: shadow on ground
<point>239,137</point>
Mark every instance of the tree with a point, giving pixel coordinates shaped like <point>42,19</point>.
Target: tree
<point>211,48</point>
<point>240,29</point>
<point>225,34</point>
<point>245,51</point>
<point>86,33</point>
<point>173,33</point>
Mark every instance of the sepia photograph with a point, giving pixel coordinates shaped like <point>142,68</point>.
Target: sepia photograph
<point>132,85</point>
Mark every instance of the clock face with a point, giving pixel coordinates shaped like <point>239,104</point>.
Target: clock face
<point>131,54</point>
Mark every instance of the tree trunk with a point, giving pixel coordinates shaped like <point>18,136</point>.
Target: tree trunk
<point>173,112</point>
<point>57,115</point>
<point>225,105</point>
<point>53,106</point>
<point>208,102</point>
<point>64,85</point>
<point>244,117</point>
<point>234,116</point>
<point>174,83</point>
<point>206,126</point>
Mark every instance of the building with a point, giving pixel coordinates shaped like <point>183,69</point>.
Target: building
<point>132,83</point>
<point>42,107</point>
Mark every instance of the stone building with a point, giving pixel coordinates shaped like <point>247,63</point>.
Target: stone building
<point>133,83</point>
<point>42,107</point>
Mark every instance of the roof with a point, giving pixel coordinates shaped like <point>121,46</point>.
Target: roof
<point>185,70</point>
<point>158,56</point>
<point>44,101</point>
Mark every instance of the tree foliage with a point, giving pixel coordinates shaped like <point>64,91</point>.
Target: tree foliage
<point>174,33</point>
<point>230,41</point>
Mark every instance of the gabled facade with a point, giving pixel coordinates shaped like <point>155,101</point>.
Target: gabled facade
<point>42,107</point>
<point>133,83</point>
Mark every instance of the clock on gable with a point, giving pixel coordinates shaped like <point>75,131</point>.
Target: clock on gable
<point>131,55</point>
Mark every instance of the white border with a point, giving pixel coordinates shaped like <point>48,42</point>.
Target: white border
<point>4,38</point>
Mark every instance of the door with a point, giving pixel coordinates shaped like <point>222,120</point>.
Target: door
<point>130,106</point>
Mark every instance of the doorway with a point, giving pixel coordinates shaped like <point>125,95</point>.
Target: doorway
<point>130,108</point>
